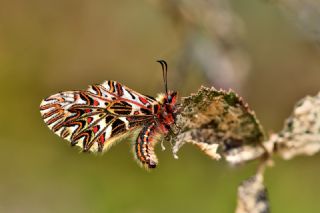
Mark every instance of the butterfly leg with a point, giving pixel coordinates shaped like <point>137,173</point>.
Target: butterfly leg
<point>162,145</point>
<point>144,146</point>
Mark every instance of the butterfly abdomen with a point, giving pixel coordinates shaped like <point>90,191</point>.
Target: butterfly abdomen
<point>144,146</point>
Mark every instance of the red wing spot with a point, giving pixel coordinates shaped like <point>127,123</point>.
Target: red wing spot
<point>87,110</point>
<point>95,129</point>
<point>89,120</point>
<point>102,139</point>
<point>95,103</point>
<point>143,100</point>
<point>136,113</point>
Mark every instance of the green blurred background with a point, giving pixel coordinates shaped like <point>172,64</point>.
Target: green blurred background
<point>50,46</point>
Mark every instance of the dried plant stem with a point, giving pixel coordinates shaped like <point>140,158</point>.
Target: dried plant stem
<point>223,126</point>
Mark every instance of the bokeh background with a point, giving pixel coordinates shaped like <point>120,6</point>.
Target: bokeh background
<point>268,51</point>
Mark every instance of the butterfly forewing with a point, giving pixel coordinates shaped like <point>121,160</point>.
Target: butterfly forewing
<point>92,118</point>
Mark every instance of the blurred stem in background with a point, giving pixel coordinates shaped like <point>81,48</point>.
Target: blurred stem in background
<point>212,44</point>
<point>305,14</point>
<point>212,37</point>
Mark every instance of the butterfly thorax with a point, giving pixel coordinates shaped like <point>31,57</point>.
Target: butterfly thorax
<point>167,114</point>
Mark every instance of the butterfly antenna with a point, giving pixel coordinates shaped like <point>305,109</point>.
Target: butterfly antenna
<point>164,66</point>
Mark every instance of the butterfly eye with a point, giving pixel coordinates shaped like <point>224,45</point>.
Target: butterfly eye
<point>169,98</point>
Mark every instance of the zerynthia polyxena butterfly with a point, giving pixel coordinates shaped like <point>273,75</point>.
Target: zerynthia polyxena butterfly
<point>96,118</point>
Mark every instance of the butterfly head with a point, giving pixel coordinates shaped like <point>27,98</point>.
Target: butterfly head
<point>170,98</point>
<point>170,101</point>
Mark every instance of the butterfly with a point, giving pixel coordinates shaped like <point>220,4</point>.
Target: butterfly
<point>96,118</point>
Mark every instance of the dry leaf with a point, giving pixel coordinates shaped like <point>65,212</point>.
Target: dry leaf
<point>252,196</point>
<point>220,123</point>
<point>301,133</point>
